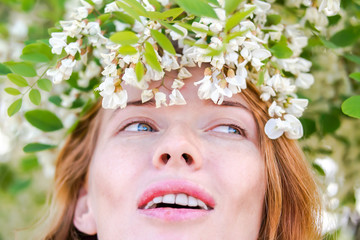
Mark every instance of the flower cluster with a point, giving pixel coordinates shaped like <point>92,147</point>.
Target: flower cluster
<point>240,46</point>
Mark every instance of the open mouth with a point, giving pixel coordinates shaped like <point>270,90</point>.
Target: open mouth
<point>179,200</point>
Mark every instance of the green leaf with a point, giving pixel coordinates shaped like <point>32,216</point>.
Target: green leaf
<point>19,185</point>
<point>333,20</point>
<point>44,84</point>
<point>22,68</point>
<point>137,7</point>
<point>14,107</point>
<point>327,43</point>
<point>171,27</point>
<point>104,17</point>
<point>272,19</point>
<point>261,78</point>
<point>27,5</point>
<point>215,52</point>
<point>163,41</point>
<point>12,91</point>
<point>235,19</point>
<point>139,70</point>
<point>156,4</point>
<point>124,38</point>
<point>29,163</point>
<point>351,106</point>
<point>346,37</point>
<point>4,70</point>
<point>128,10</point>
<point>355,76</point>
<point>151,57</point>
<point>329,123</point>
<point>44,120</point>
<point>318,169</point>
<point>281,50</point>
<point>124,17</point>
<point>173,13</point>
<point>127,50</point>
<point>55,100</point>
<point>231,5</point>
<point>35,96</point>
<point>215,2</point>
<point>309,126</point>
<point>37,52</point>
<point>36,147</point>
<point>18,80</point>
<point>199,8</point>
<point>197,29</point>
<point>353,58</point>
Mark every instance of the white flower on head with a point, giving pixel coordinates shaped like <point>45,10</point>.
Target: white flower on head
<point>274,109</point>
<point>55,75</point>
<point>169,62</point>
<point>110,70</point>
<point>295,130</point>
<point>304,80</point>
<point>107,87</point>
<point>267,93</point>
<point>80,13</point>
<point>281,84</point>
<point>235,82</point>
<point>72,27</point>
<point>297,106</point>
<point>176,98</point>
<point>259,55</point>
<point>115,100</point>
<point>108,57</point>
<point>72,48</point>
<point>160,99</point>
<point>176,36</point>
<point>57,42</point>
<point>218,93</point>
<point>130,78</point>
<point>275,128</point>
<point>146,95</point>
<point>204,91</point>
<point>152,74</point>
<point>202,26</point>
<point>67,66</point>
<point>92,29</point>
<point>330,7</point>
<point>120,26</point>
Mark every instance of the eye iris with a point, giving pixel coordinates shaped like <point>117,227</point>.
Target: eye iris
<point>233,130</point>
<point>144,127</point>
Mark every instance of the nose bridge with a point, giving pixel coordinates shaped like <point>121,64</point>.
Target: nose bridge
<point>178,147</point>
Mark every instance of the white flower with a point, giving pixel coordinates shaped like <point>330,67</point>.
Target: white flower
<point>295,65</point>
<point>164,2</point>
<point>107,87</point>
<point>115,100</point>
<point>57,42</point>
<point>55,75</point>
<point>330,7</point>
<point>275,128</point>
<point>67,66</point>
<point>146,95</point>
<point>112,7</point>
<point>304,80</point>
<point>98,2</point>
<point>297,106</point>
<point>184,73</point>
<point>80,13</point>
<point>218,93</point>
<point>317,18</point>
<point>281,84</point>
<point>130,78</point>
<point>152,74</point>
<point>120,26</point>
<point>160,99</point>
<point>259,55</point>
<point>132,58</point>
<point>108,58</point>
<point>204,90</point>
<point>267,92</point>
<point>110,70</point>
<point>274,109</point>
<point>177,83</point>
<point>72,48</point>
<point>92,28</point>
<point>295,131</point>
<point>202,26</point>
<point>72,27</point>
<point>236,83</point>
<point>176,98</point>
<point>169,62</point>
<point>176,36</point>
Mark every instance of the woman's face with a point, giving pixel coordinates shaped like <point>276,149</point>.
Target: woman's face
<point>179,172</point>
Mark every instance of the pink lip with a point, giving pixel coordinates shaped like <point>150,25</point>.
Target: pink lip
<point>174,187</point>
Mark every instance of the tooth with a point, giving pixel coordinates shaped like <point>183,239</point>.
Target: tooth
<point>181,199</point>
<point>158,199</point>
<point>192,202</point>
<point>149,205</point>
<point>169,198</point>
<point>202,204</point>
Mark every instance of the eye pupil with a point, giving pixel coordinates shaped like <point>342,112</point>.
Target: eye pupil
<point>144,127</point>
<point>233,130</point>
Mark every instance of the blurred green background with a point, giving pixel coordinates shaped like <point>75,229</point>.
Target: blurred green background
<point>331,142</point>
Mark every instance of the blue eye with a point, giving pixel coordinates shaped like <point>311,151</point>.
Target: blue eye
<point>139,127</point>
<point>229,129</point>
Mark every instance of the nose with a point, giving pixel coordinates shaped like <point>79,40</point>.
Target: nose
<point>178,147</point>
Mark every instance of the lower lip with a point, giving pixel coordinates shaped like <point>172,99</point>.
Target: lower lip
<point>174,214</point>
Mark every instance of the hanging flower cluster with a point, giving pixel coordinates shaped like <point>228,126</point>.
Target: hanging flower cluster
<point>240,42</point>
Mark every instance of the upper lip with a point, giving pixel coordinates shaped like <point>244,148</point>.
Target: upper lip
<point>175,186</point>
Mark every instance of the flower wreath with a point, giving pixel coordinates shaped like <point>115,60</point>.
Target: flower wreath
<point>132,42</point>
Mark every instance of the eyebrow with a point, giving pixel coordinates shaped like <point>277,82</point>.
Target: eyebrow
<point>151,102</point>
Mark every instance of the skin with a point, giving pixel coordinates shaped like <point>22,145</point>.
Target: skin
<point>226,163</point>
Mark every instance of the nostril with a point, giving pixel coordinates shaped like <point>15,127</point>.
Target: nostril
<point>187,158</point>
<point>165,157</point>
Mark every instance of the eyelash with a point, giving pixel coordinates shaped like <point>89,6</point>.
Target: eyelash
<point>240,130</point>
